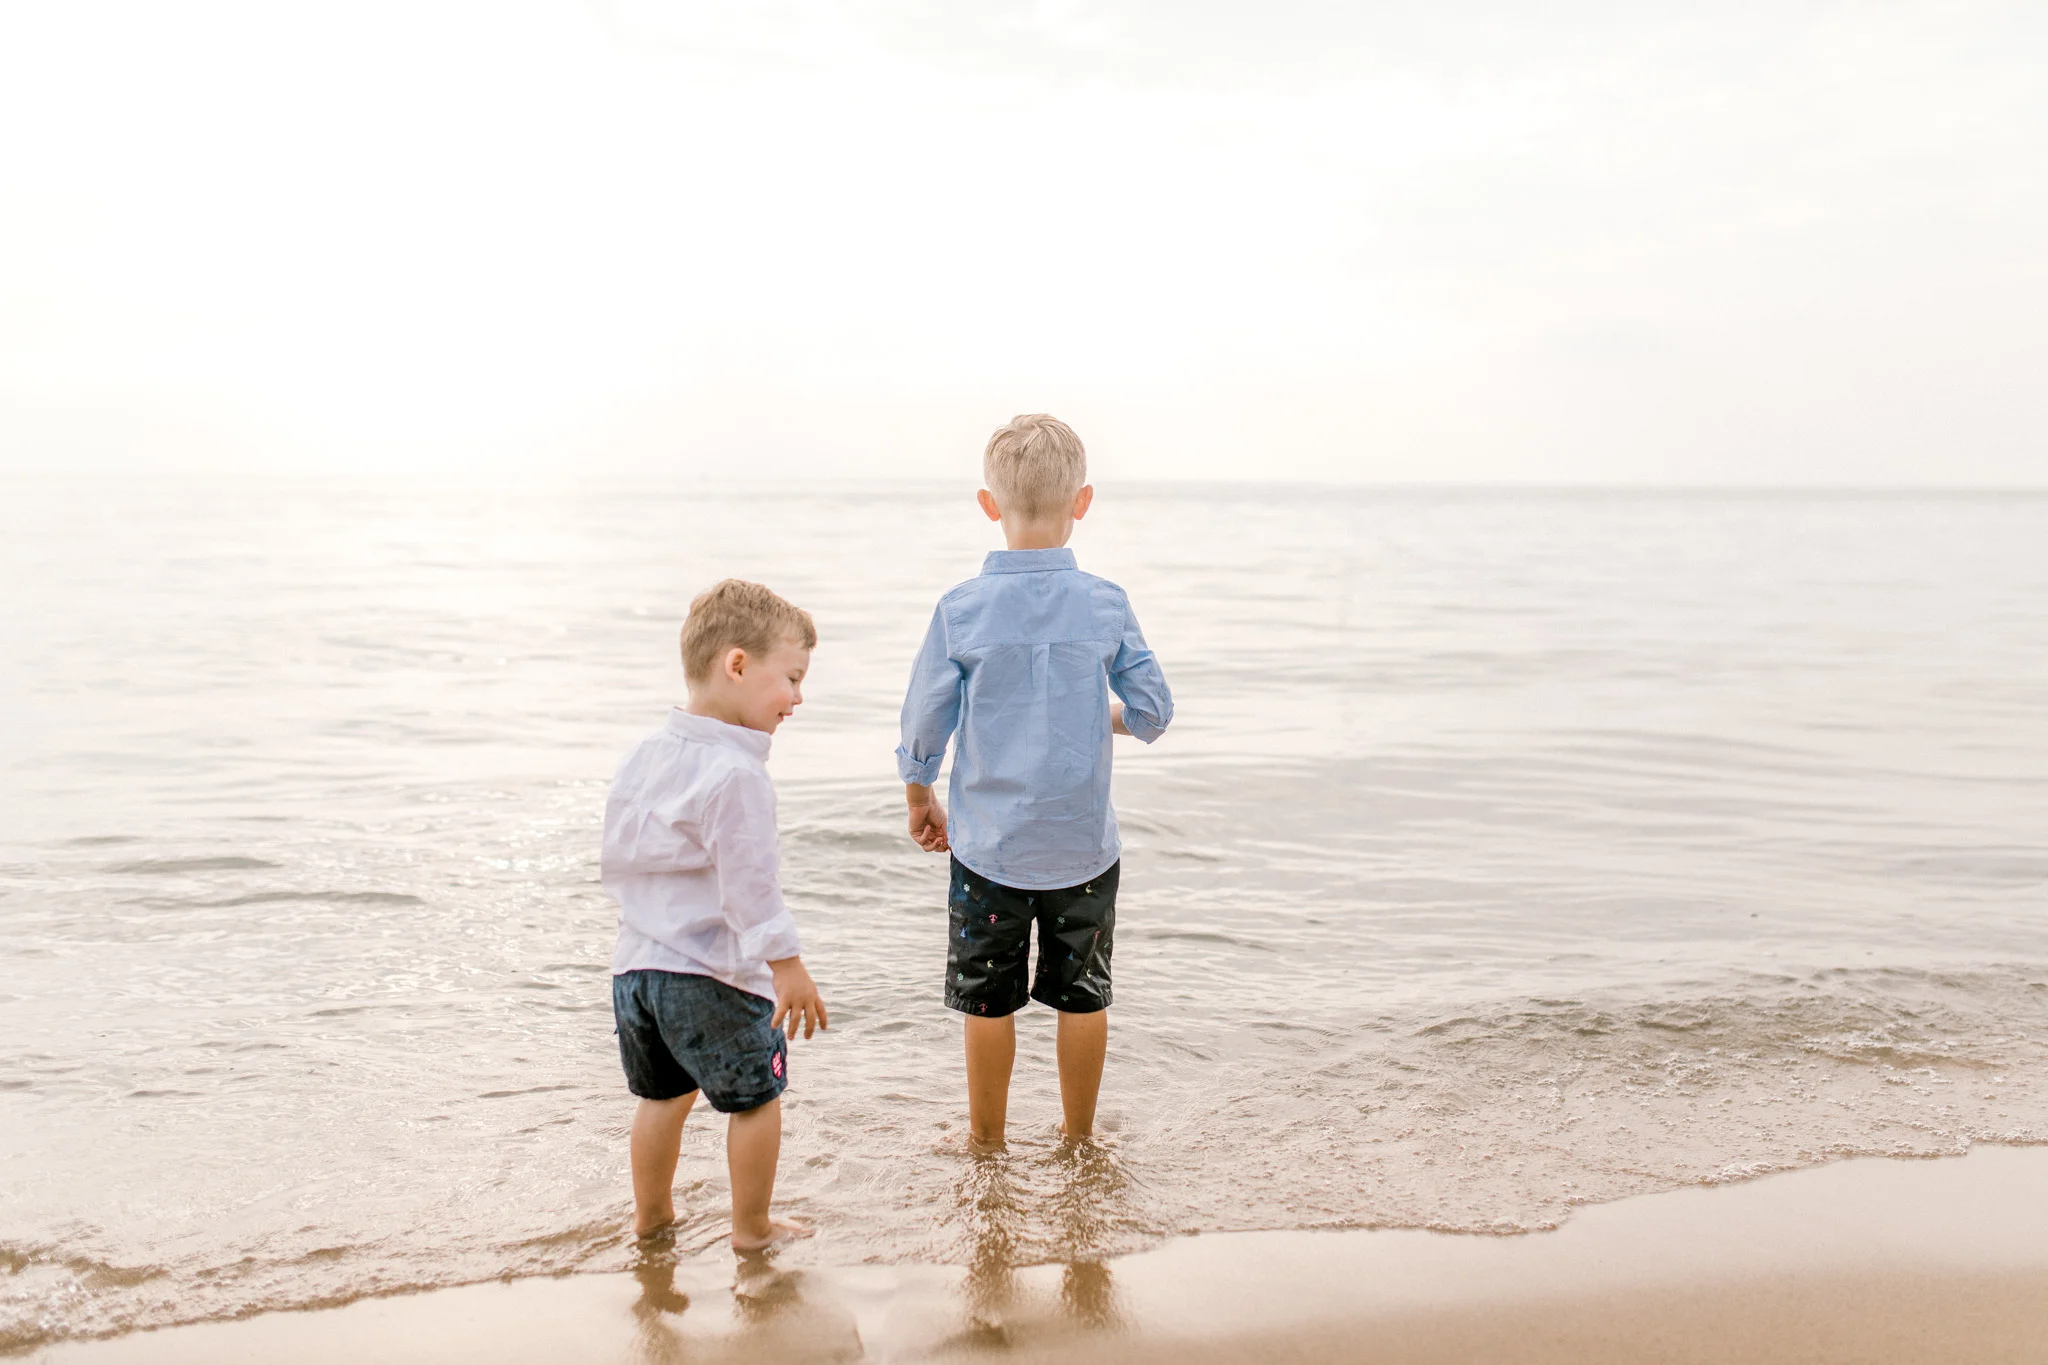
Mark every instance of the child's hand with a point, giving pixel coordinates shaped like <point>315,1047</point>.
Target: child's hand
<point>927,820</point>
<point>796,998</point>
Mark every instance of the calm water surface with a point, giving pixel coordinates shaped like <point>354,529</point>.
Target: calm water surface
<point>1510,851</point>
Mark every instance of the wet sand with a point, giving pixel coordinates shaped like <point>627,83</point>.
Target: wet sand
<point>1871,1261</point>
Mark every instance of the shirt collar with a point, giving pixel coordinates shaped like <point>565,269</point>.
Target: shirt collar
<point>1027,561</point>
<point>705,730</point>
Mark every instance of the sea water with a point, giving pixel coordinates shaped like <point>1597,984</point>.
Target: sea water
<point>1510,850</point>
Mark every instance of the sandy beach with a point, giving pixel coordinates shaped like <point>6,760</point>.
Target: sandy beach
<point>1871,1261</point>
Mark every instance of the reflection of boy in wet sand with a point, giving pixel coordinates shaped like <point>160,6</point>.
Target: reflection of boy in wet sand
<point>1021,662</point>
<point>706,973</point>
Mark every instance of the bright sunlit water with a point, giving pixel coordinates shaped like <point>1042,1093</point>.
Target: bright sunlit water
<point>1510,851</point>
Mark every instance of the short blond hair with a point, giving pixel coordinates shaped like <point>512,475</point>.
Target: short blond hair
<point>1035,465</point>
<point>739,615</point>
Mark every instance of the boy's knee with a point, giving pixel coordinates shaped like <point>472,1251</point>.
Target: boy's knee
<point>754,1110</point>
<point>655,1115</point>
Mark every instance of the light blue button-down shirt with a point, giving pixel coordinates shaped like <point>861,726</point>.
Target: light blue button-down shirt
<point>1021,661</point>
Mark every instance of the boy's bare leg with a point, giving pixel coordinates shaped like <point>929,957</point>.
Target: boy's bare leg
<point>991,1053</point>
<point>656,1141</point>
<point>1083,1041</point>
<point>753,1144</point>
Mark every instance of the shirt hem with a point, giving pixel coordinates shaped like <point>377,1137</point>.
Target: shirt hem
<point>1084,877</point>
<point>694,969</point>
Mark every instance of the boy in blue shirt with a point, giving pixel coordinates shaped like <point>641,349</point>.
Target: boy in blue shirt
<point>1021,662</point>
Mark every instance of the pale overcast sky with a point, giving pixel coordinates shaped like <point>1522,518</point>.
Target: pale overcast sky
<point>1312,239</point>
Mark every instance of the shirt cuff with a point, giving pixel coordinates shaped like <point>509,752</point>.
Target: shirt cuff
<point>923,773</point>
<point>772,941</point>
<point>1144,728</point>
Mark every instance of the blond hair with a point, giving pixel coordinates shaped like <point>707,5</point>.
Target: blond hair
<point>739,615</point>
<point>1035,465</point>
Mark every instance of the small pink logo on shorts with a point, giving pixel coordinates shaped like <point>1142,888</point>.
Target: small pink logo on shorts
<point>775,1065</point>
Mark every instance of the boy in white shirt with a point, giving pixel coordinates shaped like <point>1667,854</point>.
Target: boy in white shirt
<point>706,976</point>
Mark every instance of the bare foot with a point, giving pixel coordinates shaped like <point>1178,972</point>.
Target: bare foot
<point>655,1226</point>
<point>979,1146</point>
<point>780,1230</point>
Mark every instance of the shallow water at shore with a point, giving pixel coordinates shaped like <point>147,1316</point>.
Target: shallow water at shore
<point>1869,1262</point>
<point>1512,851</point>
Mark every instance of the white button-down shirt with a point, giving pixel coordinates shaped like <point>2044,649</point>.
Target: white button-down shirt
<point>690,854</point>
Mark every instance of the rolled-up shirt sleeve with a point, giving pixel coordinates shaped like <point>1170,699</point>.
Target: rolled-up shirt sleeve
<point>931,709</point>
<point>739,829</point>
<point>1135,677</point>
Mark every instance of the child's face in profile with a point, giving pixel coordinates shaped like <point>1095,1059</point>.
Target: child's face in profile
<point>762,691</point>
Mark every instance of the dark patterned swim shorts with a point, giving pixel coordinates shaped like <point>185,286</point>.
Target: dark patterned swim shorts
<point>989,944</point>
<point>679,1033</point>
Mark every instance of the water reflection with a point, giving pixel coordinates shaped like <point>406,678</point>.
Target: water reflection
<point>657,1341</point>
<point>764,1296</point>
<point>1017,1208</point>
<point>1088,1294</point>
<point>770,1315</point>
<point>1037,1225</point>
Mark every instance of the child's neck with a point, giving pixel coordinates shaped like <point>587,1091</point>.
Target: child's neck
<point>713,707</point>
<point>1038,535</point>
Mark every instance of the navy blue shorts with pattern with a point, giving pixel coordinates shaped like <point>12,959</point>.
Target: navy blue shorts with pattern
<point>989,944</point>
<point>679,1033</point>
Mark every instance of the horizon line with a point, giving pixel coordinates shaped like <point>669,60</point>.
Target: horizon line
<point>812,481</point>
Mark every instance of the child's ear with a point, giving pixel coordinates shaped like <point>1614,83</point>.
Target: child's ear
<point>735,663</point>
<point>1083,500</point>
<point>988,505</point>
